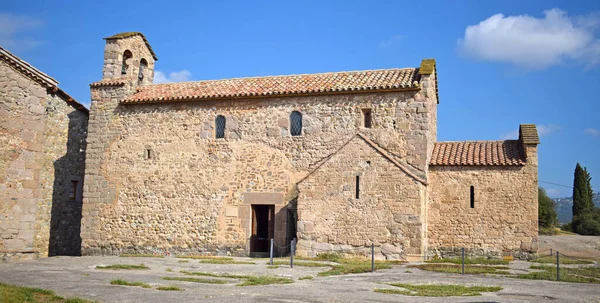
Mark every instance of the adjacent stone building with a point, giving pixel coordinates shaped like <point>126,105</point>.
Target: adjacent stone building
<point>339,161</point>
<point>42,154</point>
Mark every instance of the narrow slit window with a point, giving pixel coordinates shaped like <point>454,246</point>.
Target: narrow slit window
<point>357,187</point>
<point>367,118</point>
<point>296,123</point>
<point>148,154</point>
<point>220,127</point>
<point>472,196</point>
<point>73,190</point>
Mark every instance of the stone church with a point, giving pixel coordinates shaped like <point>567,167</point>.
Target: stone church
<point>337,160</point>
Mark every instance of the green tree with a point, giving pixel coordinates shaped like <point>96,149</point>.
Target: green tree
<point>546,213</point>
<point>582,190</point>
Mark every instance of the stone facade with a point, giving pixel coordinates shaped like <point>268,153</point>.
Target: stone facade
<point>42,143</point>
<point>504,219</point>
<point>157,180</point>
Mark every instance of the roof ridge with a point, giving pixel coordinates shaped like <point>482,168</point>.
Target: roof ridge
<point>476,141</point>
<point>43,77</point>
<point>281,76</point>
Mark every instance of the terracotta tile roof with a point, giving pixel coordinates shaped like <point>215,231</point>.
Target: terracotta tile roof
<point>528,134</point>
<point>273,86</point>
<point>38,76</point>
<point>109,82</point>
<point>131,34</point>
<point>506,152</point>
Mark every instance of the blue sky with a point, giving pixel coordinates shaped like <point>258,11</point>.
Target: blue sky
<point>538,62</point>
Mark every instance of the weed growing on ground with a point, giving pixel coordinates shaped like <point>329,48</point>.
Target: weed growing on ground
<point>248,280</point>
<point>169,288</point>
<point>183,261</point>
<point>123,266</point>
<point>224,261</point>
<point>169,270</point>
<point>469,269</point>
<point>196,280</point>
<point>302,263</point>
<point>273,266</point>
<point>485,261</point>
<point>437,290</point>
<point>140,256</point>
<point>575,275</point>
<point>127,283</point>
<point>552,260</point>
<point>202,257</point>
<point>18,294</point>
<point>306,278</point>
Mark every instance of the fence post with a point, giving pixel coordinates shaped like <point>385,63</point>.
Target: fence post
<point>557,266</point>
<point>271,253</point>
<point>293,248</point>
<point>372,257</point>
<point>551,254</point>
<point>463,261</point>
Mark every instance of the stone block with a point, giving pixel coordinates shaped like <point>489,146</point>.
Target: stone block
<point>231,212</point>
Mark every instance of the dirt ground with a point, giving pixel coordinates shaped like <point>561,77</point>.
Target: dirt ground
<point>572,245</point>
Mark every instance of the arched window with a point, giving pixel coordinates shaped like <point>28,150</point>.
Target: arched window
<point>220,127</point>
<point>126,56</point>
<point>143,67</point>
<point>296,123</point>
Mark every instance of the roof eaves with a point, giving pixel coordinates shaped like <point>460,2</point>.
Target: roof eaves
<point>27,69</point>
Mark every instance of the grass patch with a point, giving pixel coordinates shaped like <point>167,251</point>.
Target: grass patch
<point>183,261</point>
<point>123,266</point>
<point>127,283</point>
<point>169,270</point>
<point>575,275</point>
<point>437,290</point>
<point>302,263</point>
<point>224,261</point>
<point>483,261</point>
<point>306,278</point>
<point>215,275</point>
<point>469,269</point>
<point>265,280</point>
<point>272,266</point>
<point>195,280</point>
<point>356,266</point>
<point>248,280</point>
<point>140,256</point>
<point>328,256</point>
<point>170,288</point>
<point>203,257</point>
<point>18,294</point>
<point>563,260</point>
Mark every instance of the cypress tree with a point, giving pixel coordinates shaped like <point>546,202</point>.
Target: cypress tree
<point>580,192</point>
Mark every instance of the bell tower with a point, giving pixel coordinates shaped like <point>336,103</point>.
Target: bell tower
<point>128,56</point>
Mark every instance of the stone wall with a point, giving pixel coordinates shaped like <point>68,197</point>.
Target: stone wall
<point>40,141</point>
<point>22,108</point>
<point>113,59</point>
<point>59,216</point>
<point>194,193</point>
<point>504,219</point>
<point>387,213</point>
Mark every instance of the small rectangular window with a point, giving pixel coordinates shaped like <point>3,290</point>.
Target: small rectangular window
<point>73,190</point>
<point>472,197</point>
<point>357,187</point>
<point>367,119</point>
<point>148,154</point>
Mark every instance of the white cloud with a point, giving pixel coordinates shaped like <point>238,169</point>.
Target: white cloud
<point>592,131</point>
<point>180,76</point>
<point>14,31</point>
<point>543,130</point>
<point>534,43</point>
<point>394,40</point>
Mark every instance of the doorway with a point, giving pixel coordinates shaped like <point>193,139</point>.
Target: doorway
<point>263,225</point>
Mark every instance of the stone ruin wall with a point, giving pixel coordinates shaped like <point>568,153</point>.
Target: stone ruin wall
<point>195,193</point>
<point>388,212</point>
<point>504,220</point>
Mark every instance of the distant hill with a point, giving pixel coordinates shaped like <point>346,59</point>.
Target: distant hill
<point>564,207</point>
